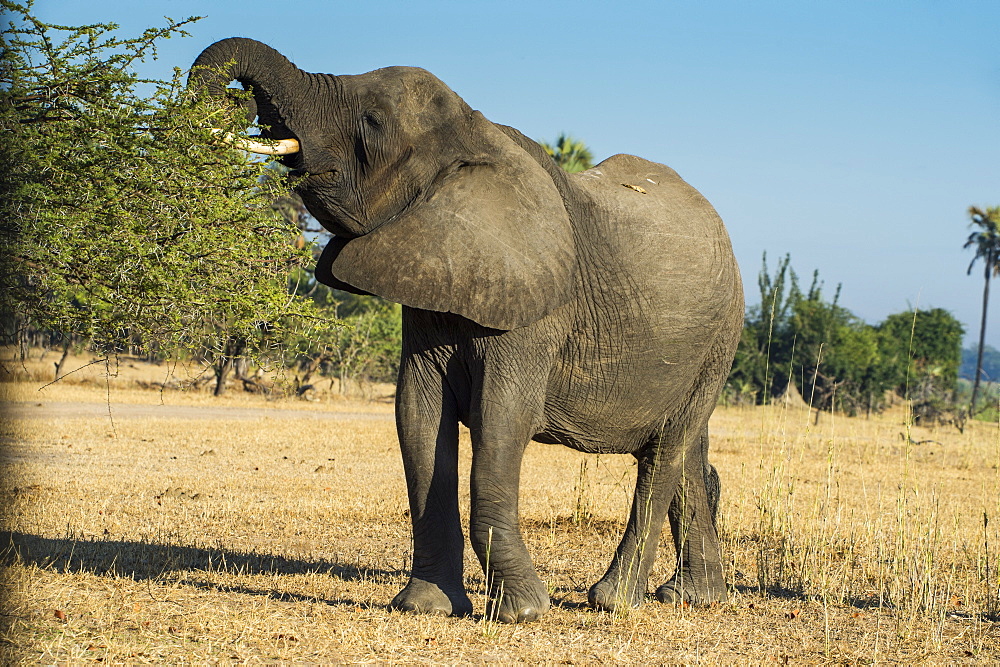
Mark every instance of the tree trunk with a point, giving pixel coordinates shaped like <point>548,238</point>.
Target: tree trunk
<point>222,368</point>
<point>982,333</point>
<point>62,360</point>
<point>230,357</point>
<point>22,341</point>
<point>240,367</point>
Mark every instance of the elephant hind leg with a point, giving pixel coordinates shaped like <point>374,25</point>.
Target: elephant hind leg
<point>624,583</point>
<point>698,578</point>
<point>694,507</point>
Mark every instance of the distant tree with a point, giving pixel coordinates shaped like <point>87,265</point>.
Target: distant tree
<point>985,241</point>
<point>368,345</point>
<point>922,350</point>
<point>570,154</point>
<point>835,357</point>
<point>761,363</point>
<point>837,361</point>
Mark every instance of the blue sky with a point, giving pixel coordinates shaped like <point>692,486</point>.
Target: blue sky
<point>851,134</point>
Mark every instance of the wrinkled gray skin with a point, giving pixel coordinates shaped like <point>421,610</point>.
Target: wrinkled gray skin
<point>598,310</point>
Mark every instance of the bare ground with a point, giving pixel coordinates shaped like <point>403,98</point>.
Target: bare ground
<point>164,527</point>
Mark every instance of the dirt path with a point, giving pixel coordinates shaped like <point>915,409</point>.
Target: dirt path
<point>126,411</point>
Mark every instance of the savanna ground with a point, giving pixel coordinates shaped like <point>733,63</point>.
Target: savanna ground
<point>169,527</point>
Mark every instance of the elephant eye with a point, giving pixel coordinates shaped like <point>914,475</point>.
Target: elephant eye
<point>374,119</point>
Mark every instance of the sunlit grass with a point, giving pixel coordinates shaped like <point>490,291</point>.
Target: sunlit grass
<point>282,538</point>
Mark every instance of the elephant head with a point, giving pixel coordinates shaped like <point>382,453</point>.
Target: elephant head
<point>430,204</point>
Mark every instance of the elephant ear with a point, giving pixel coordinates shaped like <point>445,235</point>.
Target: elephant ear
<point>491,242</point>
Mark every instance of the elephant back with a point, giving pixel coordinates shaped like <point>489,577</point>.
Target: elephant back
<point>661,243</point>
<point>659,290</point>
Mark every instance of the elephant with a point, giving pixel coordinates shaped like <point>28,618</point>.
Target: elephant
<point>599,310</point>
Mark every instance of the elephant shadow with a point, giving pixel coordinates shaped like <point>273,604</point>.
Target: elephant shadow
<point>149,561</point>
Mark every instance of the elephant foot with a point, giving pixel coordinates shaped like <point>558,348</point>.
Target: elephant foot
<point>608,595</point>
<point>510,606</point>
<point>681,589</point>
<point>424,597</point>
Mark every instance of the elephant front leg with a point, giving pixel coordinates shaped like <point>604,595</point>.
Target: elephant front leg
<point>699,578</point>
<point>516,594</point>
<point>623,586</point>
<point>428,436</point>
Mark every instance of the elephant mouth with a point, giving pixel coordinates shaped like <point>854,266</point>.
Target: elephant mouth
<point>334,218</point>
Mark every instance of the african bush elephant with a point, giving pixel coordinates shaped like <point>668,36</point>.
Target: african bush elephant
<point>599,310</point>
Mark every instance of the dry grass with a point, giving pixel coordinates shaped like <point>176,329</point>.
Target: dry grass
<point>273,531</point>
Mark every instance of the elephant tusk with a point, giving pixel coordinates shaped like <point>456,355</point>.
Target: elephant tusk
<point>277,147</point>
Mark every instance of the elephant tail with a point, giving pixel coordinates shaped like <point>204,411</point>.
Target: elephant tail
<point>713,487</point>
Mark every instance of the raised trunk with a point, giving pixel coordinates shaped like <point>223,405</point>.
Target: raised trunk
<point>280,89</point>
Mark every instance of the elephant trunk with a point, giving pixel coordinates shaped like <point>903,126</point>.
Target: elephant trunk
<point>279,89</point>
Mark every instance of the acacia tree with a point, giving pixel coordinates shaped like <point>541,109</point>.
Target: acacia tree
<point>119,223</point>
<point>985,241</point>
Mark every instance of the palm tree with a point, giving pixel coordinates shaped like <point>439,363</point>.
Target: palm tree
<point>570,154</point>
<point>986,242</point>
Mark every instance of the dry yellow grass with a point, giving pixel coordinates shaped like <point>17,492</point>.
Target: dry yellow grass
<point>254,530</point>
